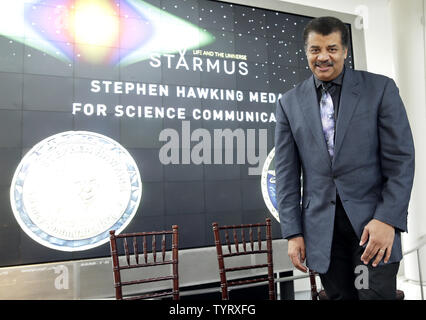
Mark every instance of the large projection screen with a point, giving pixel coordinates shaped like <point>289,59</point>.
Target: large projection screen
<point>169,82</point>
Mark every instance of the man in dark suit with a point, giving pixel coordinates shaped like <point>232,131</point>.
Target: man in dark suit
<point>346,133</point>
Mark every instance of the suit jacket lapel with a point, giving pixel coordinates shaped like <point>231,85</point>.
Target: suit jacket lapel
<point>348,102</point>
<point>310,108</point>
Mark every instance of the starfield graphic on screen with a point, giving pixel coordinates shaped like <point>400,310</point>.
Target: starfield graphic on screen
<point>92,29</point>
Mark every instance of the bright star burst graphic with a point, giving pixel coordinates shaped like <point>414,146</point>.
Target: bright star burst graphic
<point>119,32</point>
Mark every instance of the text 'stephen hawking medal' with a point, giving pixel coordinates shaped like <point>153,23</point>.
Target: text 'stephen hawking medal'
<point>72,188</point>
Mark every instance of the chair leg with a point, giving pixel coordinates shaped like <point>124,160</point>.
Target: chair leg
<point>223,284</point>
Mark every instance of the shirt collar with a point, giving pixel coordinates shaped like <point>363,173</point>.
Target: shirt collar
<point>338,80</point>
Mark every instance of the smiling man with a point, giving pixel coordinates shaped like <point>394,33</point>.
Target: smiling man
<point>346,133</point>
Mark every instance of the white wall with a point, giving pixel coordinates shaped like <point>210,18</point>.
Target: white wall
<point>409,56</point>
<point>378,40</point>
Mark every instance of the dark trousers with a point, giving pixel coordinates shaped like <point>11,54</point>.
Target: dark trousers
<point>347,277</point>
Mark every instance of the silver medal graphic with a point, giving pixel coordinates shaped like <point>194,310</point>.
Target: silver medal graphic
<point>269,187</point>
<point>268,184</point>
<point>72,188</point>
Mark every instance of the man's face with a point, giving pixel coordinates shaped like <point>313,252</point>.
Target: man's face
<point>326,55</point>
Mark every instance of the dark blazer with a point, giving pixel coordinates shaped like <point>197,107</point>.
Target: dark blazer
<point>372,168</point>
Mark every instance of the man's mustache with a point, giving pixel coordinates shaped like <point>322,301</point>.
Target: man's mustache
<point>324,64</point>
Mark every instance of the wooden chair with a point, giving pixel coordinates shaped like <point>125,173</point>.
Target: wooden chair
<point>144,258</point>
<point>321,295</point>
<point>315,294</point>
<point>244,251</point>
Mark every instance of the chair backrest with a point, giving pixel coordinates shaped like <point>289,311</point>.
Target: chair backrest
<point>248,248</point>
<point>133,248</point>
<point>314,291</point>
